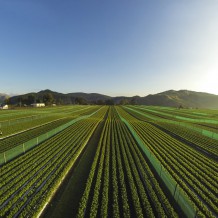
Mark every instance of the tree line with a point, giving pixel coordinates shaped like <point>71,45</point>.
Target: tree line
<point>50,99</point>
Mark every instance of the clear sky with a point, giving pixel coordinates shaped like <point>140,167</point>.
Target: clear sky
<point>113,47</point>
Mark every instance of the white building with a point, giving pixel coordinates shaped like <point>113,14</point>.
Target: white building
<point>38,105</point>
<point>4,107</point>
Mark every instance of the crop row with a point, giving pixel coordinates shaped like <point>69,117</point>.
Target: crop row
<point>171,113</point>
<point>140,114</point>
<point>7,115</point>
<point>44,118</point>
<point>12,115</point>
<point>9,130</point>
<point>207,144</point>
<point>29,181</point>
<point>201,142</point>
<point>195,173</point>
<point>208,126</point>
<point>120,182</point>
<point>13,141</point>
<point>75,111</point>
<point>181,118</point>
<point>156,115</point>
<point>186,113</point>
<point>17,139</point>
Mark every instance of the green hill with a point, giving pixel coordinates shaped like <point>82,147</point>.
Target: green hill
<point>183,97</point>
<point>59,98</point>
<point>170,98</point>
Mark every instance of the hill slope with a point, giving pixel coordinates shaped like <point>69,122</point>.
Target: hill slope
<point>170,98</point>
<point>183,97</point>
<point>59,98</point>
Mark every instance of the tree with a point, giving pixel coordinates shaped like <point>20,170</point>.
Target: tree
<point>20,101</point>
<point>38,100</point>
<point>109,102</point>
<point>30,99</point>
<point>180,106</point>
<point>6,101</point>
<point>59,101</point>
<point>124,101</point>
<point>80,100</point>
<point>100,102</point>
<point>48,99</point>
<point>133,101</point>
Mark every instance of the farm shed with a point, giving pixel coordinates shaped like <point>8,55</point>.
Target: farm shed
<point>38,105</point>
<point>4,107</point>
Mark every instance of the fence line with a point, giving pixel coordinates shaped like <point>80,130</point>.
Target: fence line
<point>24,147</point>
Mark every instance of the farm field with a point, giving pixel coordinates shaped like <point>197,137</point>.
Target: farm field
<point>109,161</point>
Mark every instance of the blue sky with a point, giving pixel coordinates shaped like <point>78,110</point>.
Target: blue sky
<point>111,47</point>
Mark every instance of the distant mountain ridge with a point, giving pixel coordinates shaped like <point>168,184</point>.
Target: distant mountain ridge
<point>184,98</point>
<point>59,98</point>
<point>170,98</point>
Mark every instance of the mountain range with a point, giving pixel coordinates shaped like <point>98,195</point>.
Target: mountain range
<point>172,98</point>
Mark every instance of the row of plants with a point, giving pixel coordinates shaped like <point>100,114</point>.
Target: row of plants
<point>23,179</point>
<point>19,127</point>
<point>26,173</point>
<point>200,141</point>
<point>194,172</point>
<point>75,111</point>
<point>21,114</point>
<point>22,148</point>
<point>186,113</point>
<point>16,140</point>
<point>7,115</point>
<point>155,112</point>
<point>121,177</point>
<point>141,114</point>
<point>86,111</point>
<point>56,177</point>
<point>26,159</point>
<point>43,118</point>
<point>115,186</point>
<point>206,143</point>
<point>33,178</point>
<point>141,169</point>
<point>149,179</point>
<point>99,183</point>
<point>208,126</point>
<point>92,175</point>
<point>196,122</point>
